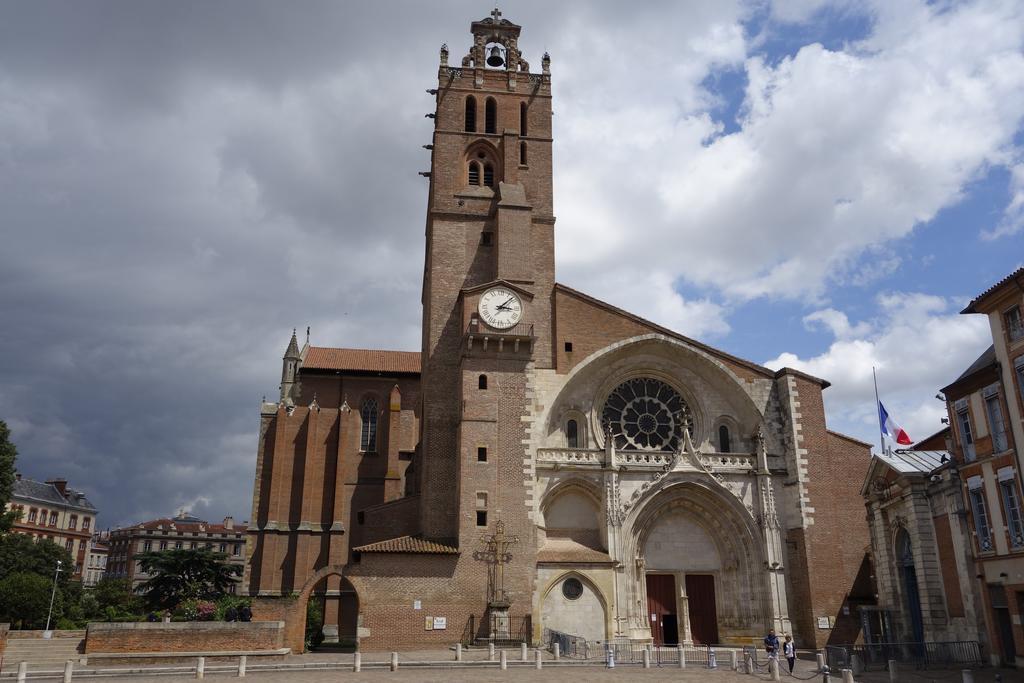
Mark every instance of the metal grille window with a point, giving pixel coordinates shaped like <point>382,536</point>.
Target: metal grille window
<point>995,423</point>
<point>368,435</point>
<point>491,115</point>
<point>488,175</point>
<point>1011,505</point>
<point>474,173</point>
<point>981,524</point>
<point>966,436</point>
<point>1014,324</point>
<point>470,114</point>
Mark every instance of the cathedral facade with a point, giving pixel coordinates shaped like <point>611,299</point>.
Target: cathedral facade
<point>547,461</point>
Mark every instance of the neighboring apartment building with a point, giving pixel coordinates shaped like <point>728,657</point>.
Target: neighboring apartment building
<point>183,532</point>
<point>52,511</point>
<point>986,405</point>
<point>96,563</point>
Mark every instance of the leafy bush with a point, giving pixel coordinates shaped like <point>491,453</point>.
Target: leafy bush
<point>230,602</point>
<point>25,600</point>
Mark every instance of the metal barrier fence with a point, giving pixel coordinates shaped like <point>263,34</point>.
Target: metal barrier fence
<point>498,629</point>
<point>627,652</point>
<point>926,655</point>
<point>573,647</point>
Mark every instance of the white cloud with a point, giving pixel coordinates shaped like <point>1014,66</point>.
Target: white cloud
<point>1013,216</point>
<point>918,343</point>
<point>838,152</point>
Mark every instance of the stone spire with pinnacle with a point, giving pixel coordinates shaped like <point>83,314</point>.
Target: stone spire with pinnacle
<point>290,372</point>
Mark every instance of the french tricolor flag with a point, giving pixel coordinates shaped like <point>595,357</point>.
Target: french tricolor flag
<point>891,429</point>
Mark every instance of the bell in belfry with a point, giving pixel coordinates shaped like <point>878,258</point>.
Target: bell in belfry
<point>495,59</point>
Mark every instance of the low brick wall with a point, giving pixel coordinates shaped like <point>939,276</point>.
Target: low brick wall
<point>4,628</point>
<point>30,635</point>
<point>185,636</point>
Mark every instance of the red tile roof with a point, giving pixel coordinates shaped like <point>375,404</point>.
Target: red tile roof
<point>408,544</point>
<point>361,360</point>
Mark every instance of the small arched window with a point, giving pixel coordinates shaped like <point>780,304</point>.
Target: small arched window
<point>724,446</point>
<point>474,173</point>
<point>522,118</point>
<point>482,382</point>
<point>572,434</point>
<point>488,175</point>
<point>470,114</point>
<point>522,154</point>
<point>491,116</point>
<point>368,436</point>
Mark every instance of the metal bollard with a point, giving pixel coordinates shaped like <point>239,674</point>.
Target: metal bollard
<point>892,671</point>
<point>733,660</point>
<point>22,671</point>
<point>357,662</point>
<point>847,675</point>
<point>523,654</point>
<point>773,669</point>
<point>748,662</point>
<point>538,659</point>
<point>682,657</point>
<point>503,661</point>
<point>609,657</point>
<point>241,666</point>
<point>490,651</point>
<point>557,652</point>
<point>394,661</point>
<point>69,667</point>
<point>458,652</point>
<point>825,675</point>
<point>647,658</point>
<point>201,667</point>
<point>856,666</point>
<point>968,676</point>
<point>712,659</point>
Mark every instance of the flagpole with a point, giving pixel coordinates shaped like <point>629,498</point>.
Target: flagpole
<point>878,411</point>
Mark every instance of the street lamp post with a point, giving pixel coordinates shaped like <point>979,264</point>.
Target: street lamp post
<point>48,633</point>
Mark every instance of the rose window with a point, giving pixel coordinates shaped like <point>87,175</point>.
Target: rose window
<point>646,414</point>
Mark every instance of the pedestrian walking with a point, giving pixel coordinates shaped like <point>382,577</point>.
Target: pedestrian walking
<point>789,652</point>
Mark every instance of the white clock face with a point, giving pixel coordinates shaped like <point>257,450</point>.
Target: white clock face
<point>501,308</point>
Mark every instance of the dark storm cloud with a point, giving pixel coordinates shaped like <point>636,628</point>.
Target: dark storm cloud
<point>180,184</point>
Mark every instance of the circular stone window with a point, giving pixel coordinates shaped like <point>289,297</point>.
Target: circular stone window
<point>572,588</point>
<point>646,414</point>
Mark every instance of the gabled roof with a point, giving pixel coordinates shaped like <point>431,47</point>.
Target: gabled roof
<point>408,544</point>
<point>362,360</point>
<point>760,369</point>
<point>48,493</point>
<point>847,437</point>
<point>1015,276</point>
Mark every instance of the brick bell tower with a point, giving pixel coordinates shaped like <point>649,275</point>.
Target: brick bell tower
<point>487,297</point>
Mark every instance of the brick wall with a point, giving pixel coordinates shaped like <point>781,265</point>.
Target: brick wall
<point>4,630</point>
<point>193,636</point>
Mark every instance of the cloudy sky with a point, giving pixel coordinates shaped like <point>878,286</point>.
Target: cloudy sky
<point>815,184</point>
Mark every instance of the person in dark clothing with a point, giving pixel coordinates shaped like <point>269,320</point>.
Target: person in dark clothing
<point>771,644</point>
<point>789,652</point>
<point>231,614</point>
<point>245,614</point>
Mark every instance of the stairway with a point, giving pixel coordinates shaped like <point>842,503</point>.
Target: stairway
<point>42,655</point>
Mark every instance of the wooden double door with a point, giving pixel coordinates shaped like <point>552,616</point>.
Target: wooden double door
<point>663,606</point>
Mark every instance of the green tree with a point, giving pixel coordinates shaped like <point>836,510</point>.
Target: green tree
<point>25,600</point>
<point>19,553</point>
<point>7,455</point>
<point>116,594</point>
<point>179,575</point>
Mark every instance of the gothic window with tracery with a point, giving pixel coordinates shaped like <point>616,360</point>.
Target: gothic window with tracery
<point>488,175</point>
<point>474,173</point>
<point>368,436</point>
<point>646,414</point>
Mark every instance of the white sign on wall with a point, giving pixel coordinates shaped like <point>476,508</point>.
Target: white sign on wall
<point>416,604</point>
<point>823,622</point>
<point>440,623</point>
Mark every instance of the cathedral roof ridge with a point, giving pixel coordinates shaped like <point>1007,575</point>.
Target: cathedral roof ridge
<point>767,372</point>
<point>362,360</point>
